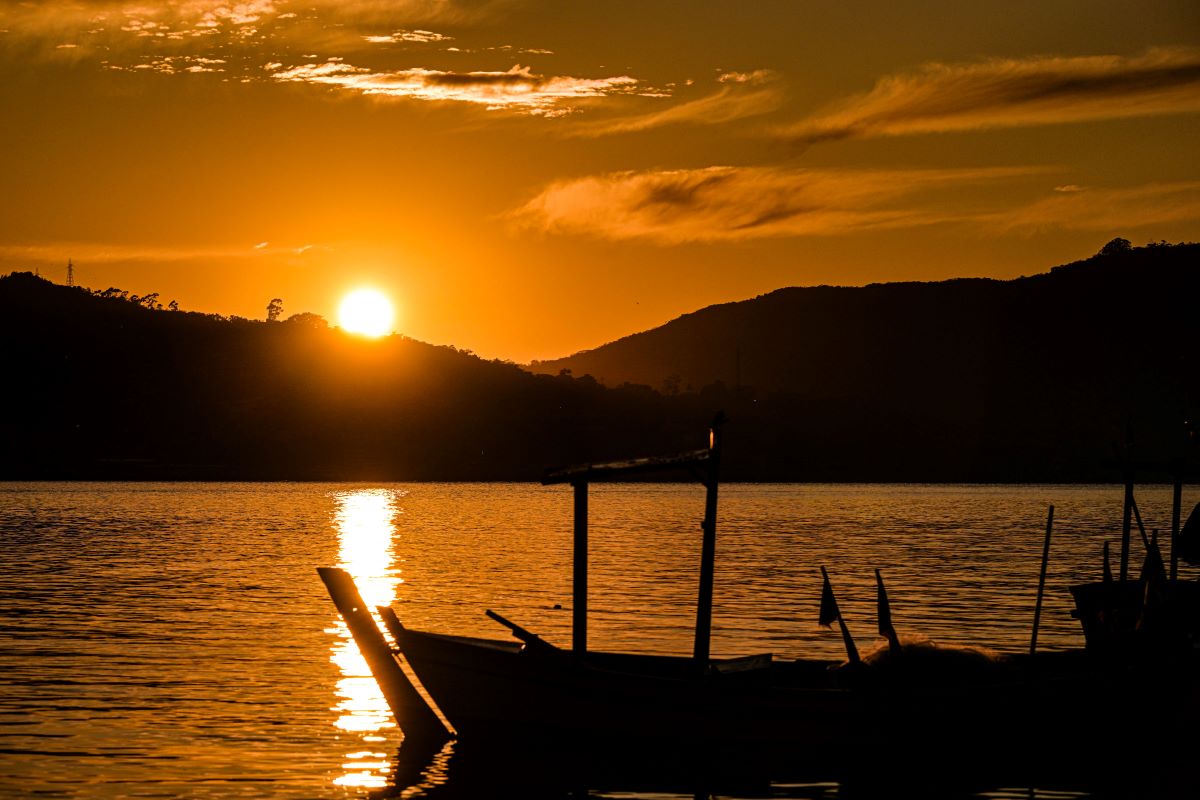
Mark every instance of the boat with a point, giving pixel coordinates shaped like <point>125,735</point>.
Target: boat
<point>493,692</point>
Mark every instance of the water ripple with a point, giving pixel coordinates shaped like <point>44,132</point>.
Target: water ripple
<point>173,640</point>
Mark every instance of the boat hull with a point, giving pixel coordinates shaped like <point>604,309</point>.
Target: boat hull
<point>498,691</point>
<point>489,690</point>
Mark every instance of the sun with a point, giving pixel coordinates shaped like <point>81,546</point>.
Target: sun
<point>367,312</point>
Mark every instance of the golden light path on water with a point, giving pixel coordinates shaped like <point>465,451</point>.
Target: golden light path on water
<point>365,522</point>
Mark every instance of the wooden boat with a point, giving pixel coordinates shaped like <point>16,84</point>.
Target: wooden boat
<point>500,691</point>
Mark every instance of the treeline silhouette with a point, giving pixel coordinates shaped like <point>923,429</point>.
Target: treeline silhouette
<point>967,380</point>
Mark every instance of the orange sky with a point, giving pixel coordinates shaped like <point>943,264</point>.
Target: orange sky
<point>527,179</point>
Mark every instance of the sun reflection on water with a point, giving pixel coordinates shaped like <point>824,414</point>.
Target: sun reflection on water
<point>365,522</point>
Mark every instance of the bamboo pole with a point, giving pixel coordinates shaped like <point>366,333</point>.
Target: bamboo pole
<point>580,579</point>
<point>1126,525</point>
<point>1037,609</point>
<point>1176,507</point>
<point>708,549</point>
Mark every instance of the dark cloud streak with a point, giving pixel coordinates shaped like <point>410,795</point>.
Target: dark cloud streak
<point>1012,93</point>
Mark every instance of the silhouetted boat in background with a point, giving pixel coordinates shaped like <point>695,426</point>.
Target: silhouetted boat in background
<point>906,698</point>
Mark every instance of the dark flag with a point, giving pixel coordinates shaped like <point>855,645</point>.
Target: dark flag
<point>1188,543</point>
<point>829,612</point>
<point>829,608</point>
<point>884,612</point>
<point>1154,599</point>
<point>1152,567</point>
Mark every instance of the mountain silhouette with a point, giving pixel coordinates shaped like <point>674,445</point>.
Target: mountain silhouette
<point>105,387</point>
<point>983,373</point>
<point>1033,379</point>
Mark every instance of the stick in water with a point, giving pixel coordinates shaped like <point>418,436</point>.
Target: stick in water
<point>1037,609</point>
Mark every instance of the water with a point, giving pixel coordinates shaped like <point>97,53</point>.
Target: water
<point>173,640</point>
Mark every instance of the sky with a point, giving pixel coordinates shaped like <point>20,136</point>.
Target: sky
<point>529,179</point>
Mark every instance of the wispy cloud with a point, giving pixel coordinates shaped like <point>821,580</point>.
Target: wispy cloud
<point>171,65</point>
<point>1103,208</point>
<point>735,203</point>
<point>741,95</point>
<point>417,36</point>
<point>518,88</point>
<point>22,256</point>
<point>175,13</point>
<point>318,42</point>
<point>1013,92</point>
<point>174,19</point>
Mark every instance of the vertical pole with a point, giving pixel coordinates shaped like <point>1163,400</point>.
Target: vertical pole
<point>708,550</point>
<point>1126,525</point>
<point>1176,504</point>
<point>580,587</point>
<point>1037,609</point>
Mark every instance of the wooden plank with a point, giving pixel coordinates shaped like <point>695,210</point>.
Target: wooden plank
<point>615,470</point>
<point>414,716</point>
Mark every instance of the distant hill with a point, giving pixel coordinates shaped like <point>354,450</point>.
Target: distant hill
<point>978,375</point>
<point>1033,379</point>
<point>105,387</point>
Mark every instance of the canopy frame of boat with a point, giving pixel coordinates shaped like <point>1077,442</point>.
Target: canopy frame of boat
<point>704,465</point>
<point>415,711</point>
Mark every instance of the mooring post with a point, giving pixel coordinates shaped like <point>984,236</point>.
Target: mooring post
<point>412,713</point>
<point>1037,608</point>
<point>708,549</point>
<point>580,587</point>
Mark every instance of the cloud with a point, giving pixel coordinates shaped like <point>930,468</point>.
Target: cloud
<point>25,256</point>
<point>1103,209</point>
<point>236,38</point>
<point>108,253</point>
<point>1011,93</point>
<point>418,36</point>
<point>735,203</point>
<point>171,65</point>
<point>118,30</point>
<point>757,76</point>
<point>114,28</point>
<point>517,88</point>
<point>741,95</point>
<point>415,11</point>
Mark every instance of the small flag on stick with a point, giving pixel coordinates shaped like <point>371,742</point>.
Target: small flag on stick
<point>1152,567</point>
<point>884,612</point>
<point>829,612</point>
<point>829,607</point>
<point>1154,599</point>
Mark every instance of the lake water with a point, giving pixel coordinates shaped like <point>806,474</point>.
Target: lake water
<point>174,640</point>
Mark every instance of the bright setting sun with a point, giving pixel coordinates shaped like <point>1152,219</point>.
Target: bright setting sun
<point>367,312</point>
